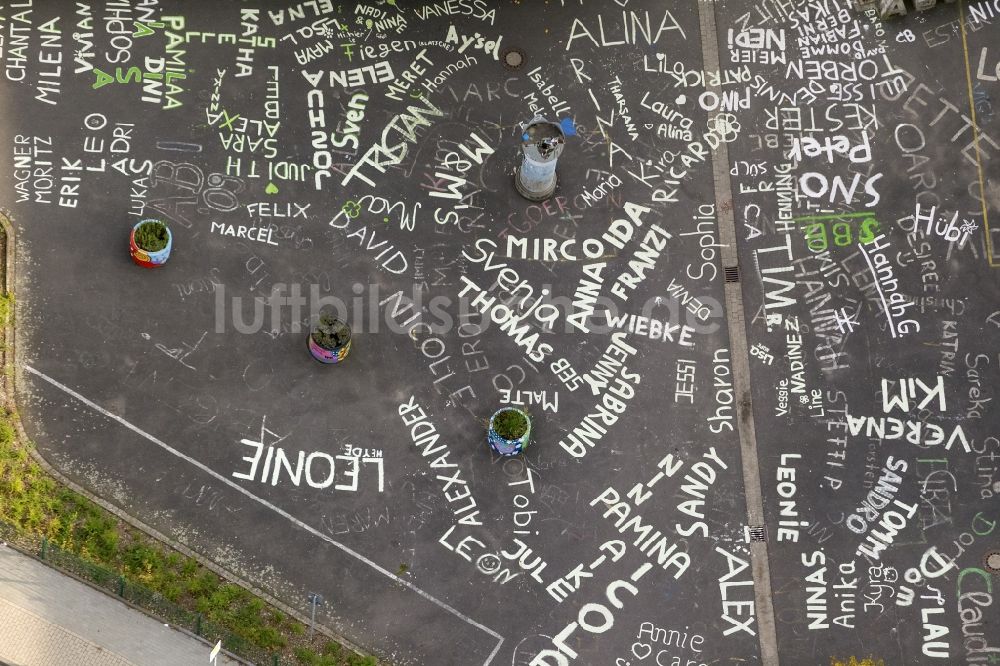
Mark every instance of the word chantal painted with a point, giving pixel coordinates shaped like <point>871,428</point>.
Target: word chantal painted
<point>424,434</point>
<point>594,618</point>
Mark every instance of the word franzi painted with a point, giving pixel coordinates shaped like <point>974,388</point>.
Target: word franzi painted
<point>770,259</point>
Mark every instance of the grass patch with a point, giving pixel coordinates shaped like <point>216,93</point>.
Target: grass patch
<point>33,505</point>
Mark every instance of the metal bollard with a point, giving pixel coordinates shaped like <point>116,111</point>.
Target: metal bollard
<point>541,144</point>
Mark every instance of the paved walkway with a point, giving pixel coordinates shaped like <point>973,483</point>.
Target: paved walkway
<point>48,619</point>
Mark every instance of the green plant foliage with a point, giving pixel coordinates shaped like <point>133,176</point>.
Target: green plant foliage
<point>151,236</point>
<point>6,307</point>
<point>510,424</point>
<point>330,332</point>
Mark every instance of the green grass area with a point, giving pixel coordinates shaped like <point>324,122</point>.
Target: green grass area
<point>36,505</point>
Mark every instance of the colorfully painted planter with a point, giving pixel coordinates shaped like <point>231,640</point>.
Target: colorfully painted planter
<point>324,355</point>
<point>508,447</point>
<point>149,259</point>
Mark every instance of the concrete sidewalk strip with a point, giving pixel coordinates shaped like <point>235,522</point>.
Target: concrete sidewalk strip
<point>28,639</point>
<point>50,619</point>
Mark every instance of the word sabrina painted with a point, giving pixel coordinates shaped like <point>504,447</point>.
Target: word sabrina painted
<point>424,434</point>
<point>613,399</point>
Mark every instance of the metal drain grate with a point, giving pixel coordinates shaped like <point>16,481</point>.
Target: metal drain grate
<point>992,561</point>
<point>513,58</point>
<point>757,533</point>
<point>732,273</point>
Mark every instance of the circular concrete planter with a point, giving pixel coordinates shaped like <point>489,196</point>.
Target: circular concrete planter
<point>144,257</point>
<point>504,446</point>
<point>330,340</point>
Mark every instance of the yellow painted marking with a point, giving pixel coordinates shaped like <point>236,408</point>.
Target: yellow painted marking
<point>975,136</point>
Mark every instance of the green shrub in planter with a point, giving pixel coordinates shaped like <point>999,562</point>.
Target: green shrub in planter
<point>330,339</point>
<point>150,243</point>
<point>510,424</point>
<point>509,431</point>
<point>151,236</point>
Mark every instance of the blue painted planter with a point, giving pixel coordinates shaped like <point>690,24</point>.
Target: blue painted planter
<point>509,447</point>
<point>149,259</point>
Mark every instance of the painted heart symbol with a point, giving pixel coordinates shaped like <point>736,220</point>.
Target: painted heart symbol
<point>271,188</point>
<point>637,648</point>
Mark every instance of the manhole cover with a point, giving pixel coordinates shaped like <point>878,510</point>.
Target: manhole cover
<point>992,561</point>
<point>513,58</point>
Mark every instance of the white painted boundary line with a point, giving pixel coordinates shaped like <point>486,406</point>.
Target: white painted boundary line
<point>281,512</point>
